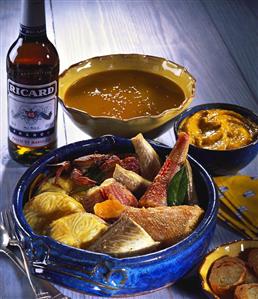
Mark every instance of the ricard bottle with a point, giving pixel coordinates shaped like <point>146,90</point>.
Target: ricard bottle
<point>32,85</point>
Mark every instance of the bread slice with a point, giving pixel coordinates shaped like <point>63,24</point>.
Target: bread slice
<point>250,278</point>
<point>247,291</point>
<point>227,273</point>
<point>166,224</point>
<point>253,260</point>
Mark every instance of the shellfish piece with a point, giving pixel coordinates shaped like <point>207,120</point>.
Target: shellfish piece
<point>168,225</point>
<point>78,229</point>
<point>64,167</point>
<point>131,180</point>
<point>79,179</point>
<point>118,191</point>
<point>109,209</point>
<point>149,159</point>
<point>48,206</point>
<point>124,238</point>
<point>85,162</point>
<point>156,194</point>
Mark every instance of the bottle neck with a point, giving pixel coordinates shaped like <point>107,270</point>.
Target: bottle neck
<point>33,21</point>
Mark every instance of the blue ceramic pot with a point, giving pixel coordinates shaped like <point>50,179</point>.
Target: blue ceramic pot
<point>100,274</point>
<point>218,162</point>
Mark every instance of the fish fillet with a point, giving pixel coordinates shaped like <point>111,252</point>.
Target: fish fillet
<point>131,180</point>
<point>124,238</point>
<point>149,159</point>
<point>166,224</point>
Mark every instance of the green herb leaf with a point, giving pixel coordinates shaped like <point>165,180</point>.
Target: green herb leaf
<point>178,188</point>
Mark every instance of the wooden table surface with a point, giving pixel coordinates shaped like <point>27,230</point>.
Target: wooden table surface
<point>216,40</point>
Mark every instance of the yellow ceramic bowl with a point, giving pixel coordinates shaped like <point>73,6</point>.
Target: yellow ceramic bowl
<point>231,249</point>
<point>151,126</point>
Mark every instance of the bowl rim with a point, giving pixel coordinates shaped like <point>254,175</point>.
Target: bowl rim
<point>128,120</point>
<point>39,165</point>
<point>226,106</point>
<point>211,252</point>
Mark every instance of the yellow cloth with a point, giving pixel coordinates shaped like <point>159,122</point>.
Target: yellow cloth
<point>239,203</point>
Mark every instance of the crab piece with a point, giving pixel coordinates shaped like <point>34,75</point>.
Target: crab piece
<point>118,191</point>
<point>79,179</point>
<point>148,158</point>
<point>88,161</point>
<point>156,194</point>
<point>64,166</point>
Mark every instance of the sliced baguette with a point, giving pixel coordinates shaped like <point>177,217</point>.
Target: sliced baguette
<point>227,273</point>
<point>253,260</point>
<point>246,291</point>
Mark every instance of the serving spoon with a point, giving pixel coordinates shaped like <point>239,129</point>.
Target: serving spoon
<point>41,288</point>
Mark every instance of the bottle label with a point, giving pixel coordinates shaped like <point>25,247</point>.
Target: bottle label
<point>32,113</point>
<point>32,31</point>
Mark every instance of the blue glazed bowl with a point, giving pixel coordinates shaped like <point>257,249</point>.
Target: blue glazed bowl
<point>218,162</point>
<point>100,274</point>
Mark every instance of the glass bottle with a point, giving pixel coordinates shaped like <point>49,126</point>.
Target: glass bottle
<point>32,84</point>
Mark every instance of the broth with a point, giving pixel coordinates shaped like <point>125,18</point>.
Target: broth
<point>124,94</point>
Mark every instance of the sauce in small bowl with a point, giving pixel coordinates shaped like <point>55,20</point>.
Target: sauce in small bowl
<point>219,129</point>
<point>222,161</point>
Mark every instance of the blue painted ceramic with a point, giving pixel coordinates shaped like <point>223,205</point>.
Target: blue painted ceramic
<point>222,162</point>
<point>100,274</point>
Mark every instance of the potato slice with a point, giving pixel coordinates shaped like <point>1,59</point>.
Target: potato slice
<point>77,230</point>
<point>48,206</point>
<point>124,238</point>
<point>64,185</point>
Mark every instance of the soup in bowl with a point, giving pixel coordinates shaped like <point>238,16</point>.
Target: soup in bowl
<point>125,94</point>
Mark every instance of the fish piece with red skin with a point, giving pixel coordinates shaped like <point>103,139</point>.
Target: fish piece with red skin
<point>156,194</point>
<point>167,225</point>
<point>107,168</point>
<point>118,191</point>
<point>131,163</point>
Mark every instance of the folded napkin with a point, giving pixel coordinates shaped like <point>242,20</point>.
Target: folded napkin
<point>239,203</point>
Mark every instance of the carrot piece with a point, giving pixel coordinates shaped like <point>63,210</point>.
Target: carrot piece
<point>109,209</point>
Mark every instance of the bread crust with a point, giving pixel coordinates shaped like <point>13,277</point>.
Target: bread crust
<point>246,291</point>
<point>227,273</point>
<point>253,260</point>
